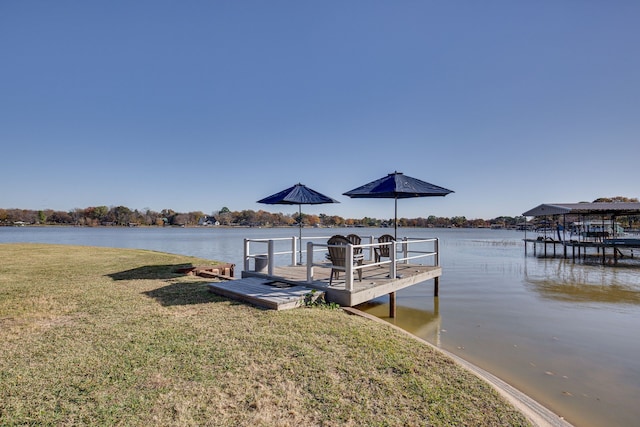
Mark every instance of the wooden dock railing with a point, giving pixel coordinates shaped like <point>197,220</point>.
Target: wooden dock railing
<point>268,255</point>
<point>272,251</point>
<point>406,247</point>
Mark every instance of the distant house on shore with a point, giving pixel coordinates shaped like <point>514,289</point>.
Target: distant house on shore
<point>208,221</point>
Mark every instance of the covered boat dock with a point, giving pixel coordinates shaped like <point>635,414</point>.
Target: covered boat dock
<point>586,229</point>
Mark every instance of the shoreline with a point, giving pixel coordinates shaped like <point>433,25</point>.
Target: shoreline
<point>171,357</point>
<point>536,413</point>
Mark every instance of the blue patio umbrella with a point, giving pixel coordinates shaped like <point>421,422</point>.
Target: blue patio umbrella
<point>397,186</point>
<point>298,195</point>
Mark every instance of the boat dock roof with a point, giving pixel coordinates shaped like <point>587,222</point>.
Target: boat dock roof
<point>603,208</point>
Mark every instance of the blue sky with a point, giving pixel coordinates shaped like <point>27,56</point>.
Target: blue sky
<point>196,105</point>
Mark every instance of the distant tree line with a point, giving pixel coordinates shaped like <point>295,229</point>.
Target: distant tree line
<point>95,216</point>
<point>123,216</point>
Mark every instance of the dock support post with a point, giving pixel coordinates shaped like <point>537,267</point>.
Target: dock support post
<point>392,305</point>
<point>436,283</point>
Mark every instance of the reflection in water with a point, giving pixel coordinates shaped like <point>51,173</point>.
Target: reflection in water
<point>563,332</point>
<point>422,323</point>
<point>564,280</point>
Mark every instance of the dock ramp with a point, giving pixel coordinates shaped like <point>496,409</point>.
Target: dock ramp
<point>267,293</point>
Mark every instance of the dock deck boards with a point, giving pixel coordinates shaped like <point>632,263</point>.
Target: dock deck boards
<point>258,291</point>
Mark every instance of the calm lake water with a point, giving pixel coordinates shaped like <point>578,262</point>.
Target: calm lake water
<point>565,333</point>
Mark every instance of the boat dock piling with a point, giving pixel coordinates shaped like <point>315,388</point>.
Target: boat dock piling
<point>607,250</point>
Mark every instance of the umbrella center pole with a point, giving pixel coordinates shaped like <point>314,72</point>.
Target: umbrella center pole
<point>300,233</point>
<point>395,219</point>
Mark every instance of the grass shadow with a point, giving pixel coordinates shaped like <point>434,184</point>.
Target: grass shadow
<point>185,294</point>
<point>178,293</point>
<point>159,272</point>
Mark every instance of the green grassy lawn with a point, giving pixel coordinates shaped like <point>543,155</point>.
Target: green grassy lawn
<point>100,336</point>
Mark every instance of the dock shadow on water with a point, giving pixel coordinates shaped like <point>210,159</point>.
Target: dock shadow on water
<point>420,322</point>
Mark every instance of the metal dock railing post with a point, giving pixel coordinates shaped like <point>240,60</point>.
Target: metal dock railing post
<point>309,262</point>
<point>349,268</point>
<point>405,250</point>
<point>371,250</point>
<point>294,250</point>
<point>436,280</point>
<point>246,254</point>
<point>271,257</point>
<point>392,258</point>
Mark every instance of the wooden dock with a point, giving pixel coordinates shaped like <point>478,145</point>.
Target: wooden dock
<point>411,261</point>
<point>375,281</point>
